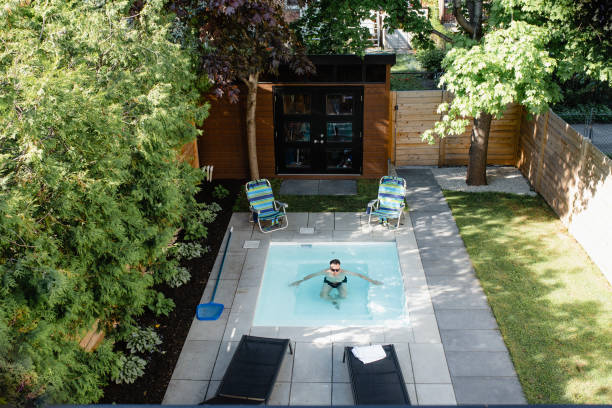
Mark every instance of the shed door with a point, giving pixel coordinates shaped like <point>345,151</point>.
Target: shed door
<point>318,130</point>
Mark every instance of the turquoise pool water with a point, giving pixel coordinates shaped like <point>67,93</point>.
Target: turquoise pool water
<point>279,304</point>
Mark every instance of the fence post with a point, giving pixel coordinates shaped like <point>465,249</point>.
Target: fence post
<point>542,152</point>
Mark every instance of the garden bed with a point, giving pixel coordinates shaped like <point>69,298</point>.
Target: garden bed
<point>173,329</point>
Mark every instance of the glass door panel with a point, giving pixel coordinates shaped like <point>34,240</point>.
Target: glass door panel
<point>296,131</point>
<point>339,132</point>
<point>318,130</point>
<point>339,104</point>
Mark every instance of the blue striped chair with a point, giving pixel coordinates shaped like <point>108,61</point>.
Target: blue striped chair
<point>264,207</point>
<point>390,202</point>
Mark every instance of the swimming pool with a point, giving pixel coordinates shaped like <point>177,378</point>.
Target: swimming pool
<point>279,304</point>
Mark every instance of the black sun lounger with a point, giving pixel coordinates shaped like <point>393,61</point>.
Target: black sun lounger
<point>378,383</point>
<point>251,374</point>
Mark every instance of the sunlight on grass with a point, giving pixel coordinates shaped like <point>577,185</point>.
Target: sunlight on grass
<point>552,304</point>
<point>367,190</point>
<point>406,63</point>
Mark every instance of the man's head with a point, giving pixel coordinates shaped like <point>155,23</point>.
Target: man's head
<point>334,265</point>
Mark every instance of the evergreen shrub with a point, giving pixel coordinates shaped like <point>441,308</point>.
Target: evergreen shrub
<point>95,102</point>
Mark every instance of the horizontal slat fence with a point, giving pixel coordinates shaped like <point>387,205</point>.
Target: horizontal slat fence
<point>417,111</point>
<point>574,177</point>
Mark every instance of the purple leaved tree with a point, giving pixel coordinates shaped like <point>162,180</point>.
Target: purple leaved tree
<point>244,39</point>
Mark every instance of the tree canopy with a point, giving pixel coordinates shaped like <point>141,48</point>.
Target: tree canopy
<point>94,103</point>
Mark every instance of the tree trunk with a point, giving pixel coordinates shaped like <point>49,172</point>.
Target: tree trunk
<point>250,123</point>
<point>479,143</point>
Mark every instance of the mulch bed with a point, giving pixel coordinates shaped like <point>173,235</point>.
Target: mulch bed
<point>151,387</point>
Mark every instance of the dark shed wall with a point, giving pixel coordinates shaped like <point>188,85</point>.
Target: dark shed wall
<point>223,142</point>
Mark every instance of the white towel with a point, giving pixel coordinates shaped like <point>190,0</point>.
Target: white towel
<point>369,354</point>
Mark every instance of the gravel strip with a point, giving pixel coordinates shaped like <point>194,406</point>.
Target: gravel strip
<point>501,179</point>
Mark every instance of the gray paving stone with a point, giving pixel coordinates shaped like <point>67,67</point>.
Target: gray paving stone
<point>339,367</point>
<point>208,329</point>
<point>358,335</point>
<point>318,236</point>
<point>342,394</point>
<point>480,364</point>
<point>286,370</point>
<point>434,207</point>
<point>399,334</point>
<point>436,394</point>
<point>245,299</point>
<point>351,236</point>
<point>232,266</point>
<point>280,394</point>
<point>213,387</point>
<point>425,328</point>
<point>238,323</point>
<point>403,356</point>
<point>412,394</point>
<point>241,221</point>
<point>185,392</point>
<point>299,187</point>
<point>419,301</point>
<point>285,235</point>
<point>321,221</point>
<point>472,340</point>
<point>312,363</point>
<point>320,335</point>
<point>468,319</point>
<point>434,254</point>
<point>297,220</point>
<point>225,292</point>
<point>488,390</point>
<point>237,242</point>
<point>448,267</point>
<point>196,360</point>
<point>310,393</point>
<point>458,299</point>
<point>438,240</point>
<point>265,331</point>
<point>347,221</point>
<point>226,352</point>
<point>429,364</point>
<point>338,187</point>
<point>455,281</point>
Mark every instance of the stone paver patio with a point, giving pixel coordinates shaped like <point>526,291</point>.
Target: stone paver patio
<point>450,352</point>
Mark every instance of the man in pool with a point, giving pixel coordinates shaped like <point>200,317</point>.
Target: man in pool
<point>335,278</point>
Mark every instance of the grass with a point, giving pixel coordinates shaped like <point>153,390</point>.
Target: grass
<point>367,190</point>
<point>406,62</point>
<point>552,304</point>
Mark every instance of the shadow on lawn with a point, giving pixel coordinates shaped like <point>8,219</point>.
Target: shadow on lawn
<point>551,302</point>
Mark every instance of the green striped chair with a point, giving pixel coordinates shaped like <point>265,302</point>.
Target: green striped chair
<point>264,207</point>
<point>390,202</point>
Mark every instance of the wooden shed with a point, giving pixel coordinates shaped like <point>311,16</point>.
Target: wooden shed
<point>334,123</point>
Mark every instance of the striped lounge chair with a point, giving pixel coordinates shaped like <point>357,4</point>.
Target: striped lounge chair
<point>390,202</point>
<point>264,207</point>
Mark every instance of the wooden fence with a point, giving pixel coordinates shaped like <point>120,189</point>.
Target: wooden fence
<point>417,111</point>
<point>574,177</point>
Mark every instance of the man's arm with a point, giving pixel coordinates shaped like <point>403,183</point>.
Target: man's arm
<point>375,282</point>
<point>312,275</point>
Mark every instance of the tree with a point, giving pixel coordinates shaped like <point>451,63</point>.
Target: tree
<point>556,38</point>
<point>515,56</point>
<point>244,39</point>
<point>94,103</point>
<point>335,27</point>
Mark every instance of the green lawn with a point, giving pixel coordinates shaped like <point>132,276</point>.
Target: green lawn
<point>552,304</point>
<point>367,190</point>
<point>406,62</point>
